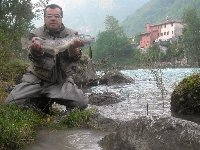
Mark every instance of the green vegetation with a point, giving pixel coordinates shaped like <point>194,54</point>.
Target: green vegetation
<point>191,34</point>
<point>77,118</point>
<point>11,74</point>
<point>16,17</point>
<point>17,127</point>
<point>112,46</point>
<point>15,22</point>
<point>186,96</point>
<point>13,71</point>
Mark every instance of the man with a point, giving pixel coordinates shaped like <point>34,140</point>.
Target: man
<point>48,79</point>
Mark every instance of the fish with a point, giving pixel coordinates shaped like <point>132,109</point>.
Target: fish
<point>53,47</point>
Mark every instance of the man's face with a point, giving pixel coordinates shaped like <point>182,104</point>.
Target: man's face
<point>53,19</point>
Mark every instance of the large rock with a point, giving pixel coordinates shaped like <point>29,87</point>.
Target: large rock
<point>104,98</point>
<point>102,123</point>
<point>85,74</point>
<point>154,133</point>
<point>115,77</point>
<point>185,98</point>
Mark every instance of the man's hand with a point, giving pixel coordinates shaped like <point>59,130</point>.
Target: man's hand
<point>75,43</point>
<point>74,50</point>
<point>36,47</point>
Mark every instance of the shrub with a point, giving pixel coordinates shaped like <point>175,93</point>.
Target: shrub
<point>186,96</point>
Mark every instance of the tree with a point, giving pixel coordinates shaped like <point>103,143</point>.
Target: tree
<point>154,54</point>
<point>15,22</point>
<point>112,24</point>
<point>191,34</point>
<point>112,44</point>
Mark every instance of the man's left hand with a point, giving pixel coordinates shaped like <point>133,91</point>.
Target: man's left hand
<point>74,50</point>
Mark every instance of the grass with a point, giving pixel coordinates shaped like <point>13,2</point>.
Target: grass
<point>18,127</point>
<point>77,118</point>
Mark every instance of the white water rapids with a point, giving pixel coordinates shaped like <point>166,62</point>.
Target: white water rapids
<point>144,96</point>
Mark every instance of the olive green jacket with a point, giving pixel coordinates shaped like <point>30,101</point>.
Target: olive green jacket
<point>51,68</point>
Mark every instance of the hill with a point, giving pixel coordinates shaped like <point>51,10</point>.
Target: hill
<point>155,11</point>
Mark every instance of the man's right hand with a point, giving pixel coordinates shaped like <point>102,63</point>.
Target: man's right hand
<point>36,47</point>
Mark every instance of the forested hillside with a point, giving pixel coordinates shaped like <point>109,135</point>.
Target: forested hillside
<point>156,11</point>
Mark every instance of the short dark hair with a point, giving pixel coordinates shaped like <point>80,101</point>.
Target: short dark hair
<point>53,6</point>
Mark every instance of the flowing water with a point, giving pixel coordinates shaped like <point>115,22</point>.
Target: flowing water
<point>148,95</point>
<point>67,140</point>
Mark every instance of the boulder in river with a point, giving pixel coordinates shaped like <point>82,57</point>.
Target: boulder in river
<point>104,98</point>
<point>115,77</point>
<point>154,133</point>
<point>85,74</point>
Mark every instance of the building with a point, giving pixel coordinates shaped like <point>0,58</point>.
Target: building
<point>165,31</point>
<point>170,30</point>
<point>148,38</point>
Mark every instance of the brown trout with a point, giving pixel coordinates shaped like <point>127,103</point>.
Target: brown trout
<point>58,45</point>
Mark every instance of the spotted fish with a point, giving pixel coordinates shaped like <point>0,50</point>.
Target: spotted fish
<point>58,45</point>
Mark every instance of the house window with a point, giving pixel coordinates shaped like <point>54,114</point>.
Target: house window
<point>172,32</point>
<point>161,34</point>
<point>164,33</point>
<point>168,33</point>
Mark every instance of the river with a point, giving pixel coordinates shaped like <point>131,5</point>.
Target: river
<point>148,95</point>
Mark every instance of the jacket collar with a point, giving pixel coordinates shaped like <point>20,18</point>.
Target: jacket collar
<point>55,34</point>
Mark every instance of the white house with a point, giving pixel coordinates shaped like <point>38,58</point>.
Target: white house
<point>170,30</point>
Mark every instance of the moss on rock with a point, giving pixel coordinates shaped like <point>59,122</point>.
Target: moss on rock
<point>185,98</point>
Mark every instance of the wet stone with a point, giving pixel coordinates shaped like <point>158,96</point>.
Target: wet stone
<point>154,133</point>
<point>104,98</point>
